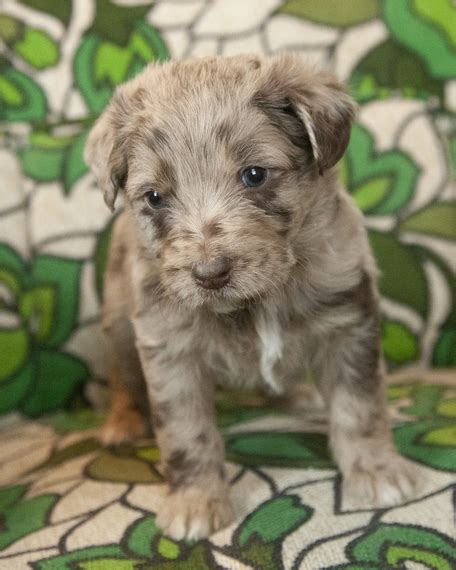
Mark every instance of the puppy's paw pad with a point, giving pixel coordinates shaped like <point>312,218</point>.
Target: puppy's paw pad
<point>192,514</point>
<point>124,427</point>
<point>381,484</point>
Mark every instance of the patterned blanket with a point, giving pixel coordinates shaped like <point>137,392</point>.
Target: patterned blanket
<point>66,503</point>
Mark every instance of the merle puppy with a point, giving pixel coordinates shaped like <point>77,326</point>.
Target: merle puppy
<point>239,260</point>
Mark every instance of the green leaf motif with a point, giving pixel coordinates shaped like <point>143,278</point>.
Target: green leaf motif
<point>24,517</point>
<point>424,254</point>
<point>43,165</point>
<point>437,220</point>
<point>37,49</point>
<point>64,276</point>
<point>274,519</point>
<point>399,344</point>
<point>333,12</point>
<point>141,537</point>
<point>11,261</point>
<point>34,377</point>
<point>447,408</point>
<point>425,400</point>
<point>73,560</point>
<point>113,557</point>
<point>11,495</point>
<point>101,65</point>
<point>292,449</point>
<point>74,165</point>
<point>444,437</point>
<point>37,307</point>
<point>71,451</point>
<point>116,23</point>
<point>123,466</point>
<point>21,98</point>
<point>427,30</point>
<point>57,376</point>
<point>423,442</point>
<point>168,548</point>
<point>444,354</point>
<point>14,348</point>
<point>392,67</point>
<point>370,194</point>
<point>16,388</point>
<point>381,182</point>
<point>50,157</point>
<point>60,9</point>
<point>10,29</point>
<point>390,545</point>
<point>402,277</point>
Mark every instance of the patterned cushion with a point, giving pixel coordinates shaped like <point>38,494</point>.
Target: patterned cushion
<point>65,503</point>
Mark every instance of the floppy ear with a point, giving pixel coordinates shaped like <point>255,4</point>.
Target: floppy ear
<point>105,150</point>
<point>318,100</point>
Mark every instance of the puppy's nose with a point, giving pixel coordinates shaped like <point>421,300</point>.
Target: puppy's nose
<point>213,273</point>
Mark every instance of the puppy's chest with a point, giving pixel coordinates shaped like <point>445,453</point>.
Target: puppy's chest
<point>258,351</point>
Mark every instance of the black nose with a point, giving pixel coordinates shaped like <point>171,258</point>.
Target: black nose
<point>213,273</point>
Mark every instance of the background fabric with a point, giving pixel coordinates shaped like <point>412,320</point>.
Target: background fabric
<point>65,502</point>
<point>60,61</point>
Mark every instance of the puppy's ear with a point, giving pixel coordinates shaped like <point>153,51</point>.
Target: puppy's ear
<point>318,100</point>
<point>105,150</point>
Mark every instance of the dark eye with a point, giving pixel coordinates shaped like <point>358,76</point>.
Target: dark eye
<point>253,176</point>
<point>154,199</point>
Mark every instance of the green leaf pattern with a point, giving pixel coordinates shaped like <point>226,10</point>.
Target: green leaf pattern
<point>294,517</point>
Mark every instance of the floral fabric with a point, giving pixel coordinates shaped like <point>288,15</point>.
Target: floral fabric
<point>67,504</point>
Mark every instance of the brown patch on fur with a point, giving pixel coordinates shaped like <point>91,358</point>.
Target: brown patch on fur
<point>181,469</point>
<point>161,414</point>
<point>161,223</point>
<point>282,115</point>
<point>212,229</point>
<point>150,286</point>
<point>202,438</point>
<point>224,131</point>
<point>165,173</point>
<point>361,295</point>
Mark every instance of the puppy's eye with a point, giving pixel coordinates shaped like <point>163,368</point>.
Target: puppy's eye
<point>154,200</point>
<point>253,176</point>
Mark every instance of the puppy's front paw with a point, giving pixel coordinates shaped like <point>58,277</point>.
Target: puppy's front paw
<point>383,481</point>
<point>193,513</point>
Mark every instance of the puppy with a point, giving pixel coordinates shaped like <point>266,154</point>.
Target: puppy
<point>239,260</point>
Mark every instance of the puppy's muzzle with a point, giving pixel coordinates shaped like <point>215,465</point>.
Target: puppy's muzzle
<point>214,273</point>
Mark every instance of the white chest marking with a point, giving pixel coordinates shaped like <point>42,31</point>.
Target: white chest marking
<point>268,329</point>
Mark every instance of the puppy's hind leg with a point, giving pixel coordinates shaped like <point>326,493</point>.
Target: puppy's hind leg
<point>129,415</point>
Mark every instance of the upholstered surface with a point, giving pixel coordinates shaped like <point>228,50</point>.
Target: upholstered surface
<point>67,503</point>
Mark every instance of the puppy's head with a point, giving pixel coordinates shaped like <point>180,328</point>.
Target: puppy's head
<point>221,160</point>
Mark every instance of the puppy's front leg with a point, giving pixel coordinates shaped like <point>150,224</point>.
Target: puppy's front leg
<point>191,447</point>
<point>374,474</point>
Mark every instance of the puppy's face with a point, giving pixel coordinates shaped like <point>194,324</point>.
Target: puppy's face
<point>219,159</point>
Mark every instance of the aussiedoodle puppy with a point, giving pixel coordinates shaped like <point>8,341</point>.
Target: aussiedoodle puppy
<point>238,260</point>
